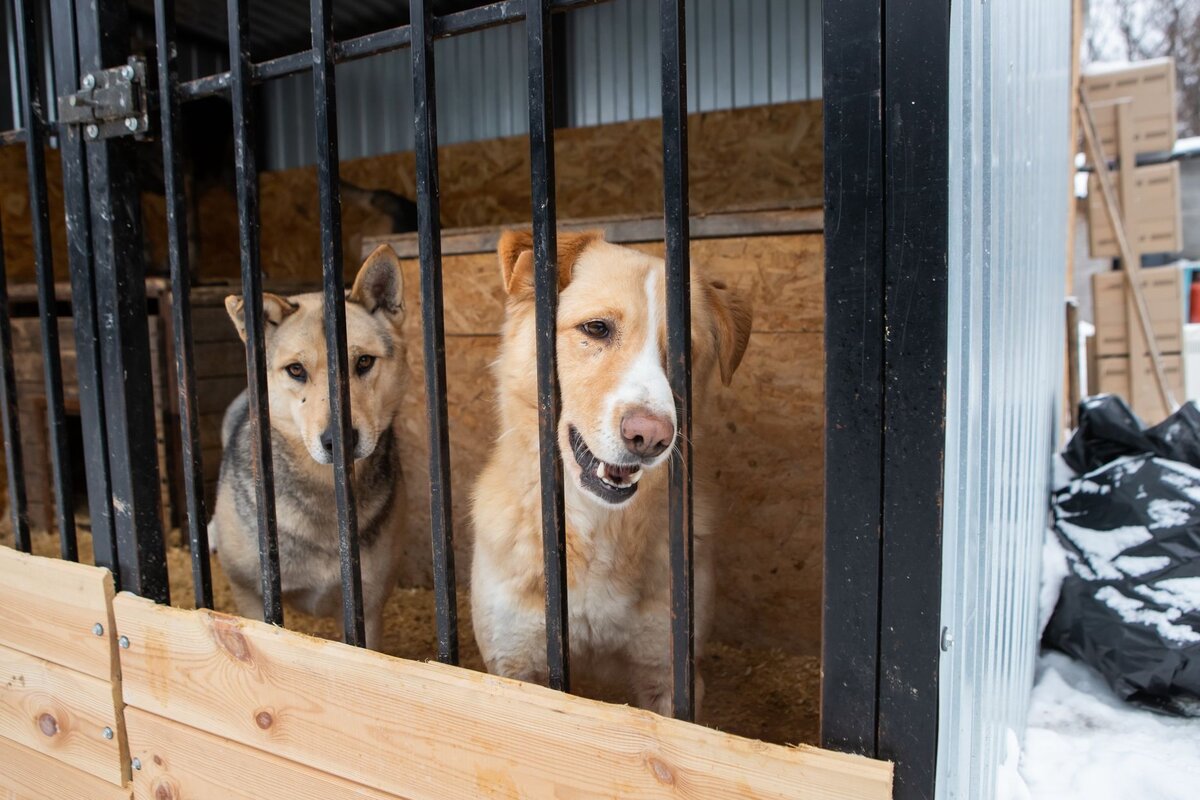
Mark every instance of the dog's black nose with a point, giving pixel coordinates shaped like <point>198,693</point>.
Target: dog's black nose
<point>327,440</point>
<point>646,434</point>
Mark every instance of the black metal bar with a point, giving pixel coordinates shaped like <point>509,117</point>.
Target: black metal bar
<point>123,331</point>
<point>89,380</point>
<point>679,350</point>
<point>373,44</point>
<point>854,198</point>
<point>39,215</point>
<point>325,101</point>
<point>430,235</point>
<point>916,86</point>
<point>545,259</point>
<point>246,170</point>
<point>11,421</point>
<point>181,301</point>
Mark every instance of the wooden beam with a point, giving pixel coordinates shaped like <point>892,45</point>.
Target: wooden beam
<point>63,714</point>
<point>622,231</point>
<point>50,609</point>
<point>181,759</point>
<point>30,775</point>
<point>429,730</point>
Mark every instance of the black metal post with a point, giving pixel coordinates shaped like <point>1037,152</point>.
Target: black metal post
<point>10,419</point>
<point>679,350</point>
<point>181,302</point>
<point>88,360</point>
<point>545,258</point>
<point>246,170</point>
<point>430,236</point>
<point>853,374</point>
<point>333,282</point>
<point>121,316</point>
<point>39,215</point>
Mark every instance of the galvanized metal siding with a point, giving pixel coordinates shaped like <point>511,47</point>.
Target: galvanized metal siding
<point>481,95</point>
<point>1009,182</point>
<point>740,53</point>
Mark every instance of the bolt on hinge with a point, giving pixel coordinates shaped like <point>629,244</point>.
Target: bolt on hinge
<point>110,103</point>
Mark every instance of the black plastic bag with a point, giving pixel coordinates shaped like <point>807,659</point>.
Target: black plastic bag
<point>1108,429</point>
<point>1130,606</point>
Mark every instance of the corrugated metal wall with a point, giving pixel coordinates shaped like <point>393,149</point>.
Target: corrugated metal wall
<point>1010,184</point>
<point>740,53</point>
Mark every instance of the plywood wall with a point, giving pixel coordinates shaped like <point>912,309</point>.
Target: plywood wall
<point>750,158</point>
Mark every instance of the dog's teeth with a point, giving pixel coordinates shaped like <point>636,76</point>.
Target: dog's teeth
<point>600,471</point>
<point>635,476</point>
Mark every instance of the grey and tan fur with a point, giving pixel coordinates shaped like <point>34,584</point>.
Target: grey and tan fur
<point>301,445</point>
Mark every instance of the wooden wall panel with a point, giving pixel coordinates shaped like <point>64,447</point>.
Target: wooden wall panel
<point>30,775</point>
<point>426,730</point>
<point>50,608</point>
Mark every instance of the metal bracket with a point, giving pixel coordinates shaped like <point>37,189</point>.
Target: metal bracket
<point>112,102</point>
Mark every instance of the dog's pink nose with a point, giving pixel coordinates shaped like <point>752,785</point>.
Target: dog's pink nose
<point>646,435</point>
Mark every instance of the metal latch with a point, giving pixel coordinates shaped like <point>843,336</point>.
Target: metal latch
<point>113,102</point>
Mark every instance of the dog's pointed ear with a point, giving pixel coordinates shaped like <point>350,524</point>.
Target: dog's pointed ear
<point>380,284</point>
<point>275,310</point>
<point>516,258</point>
<point>731,322</point>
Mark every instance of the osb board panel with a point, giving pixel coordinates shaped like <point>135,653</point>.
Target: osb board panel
<point>61,713</point>
<point>429,730</point>
<point>50,609</point>
<point>744,159</point>
<point>760,439</point>
<point>30,775</point>
<point>177,763</point>
<point>15,219</point>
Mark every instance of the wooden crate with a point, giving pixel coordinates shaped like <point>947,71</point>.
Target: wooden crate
<point>62,731</point>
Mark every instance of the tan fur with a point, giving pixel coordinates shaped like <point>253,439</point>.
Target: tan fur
<point>299,414</point>
<point>616,556</point>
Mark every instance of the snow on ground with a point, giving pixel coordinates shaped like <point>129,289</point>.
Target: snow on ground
<point>1083,741</point>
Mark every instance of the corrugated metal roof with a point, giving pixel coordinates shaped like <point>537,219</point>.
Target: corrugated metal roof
<point>278,27</point>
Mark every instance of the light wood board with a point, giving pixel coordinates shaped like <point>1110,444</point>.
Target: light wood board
<point>30,775</point>
<point>50,608</point>
<point>429,730</point>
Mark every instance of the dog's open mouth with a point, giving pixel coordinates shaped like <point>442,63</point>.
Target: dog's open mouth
<point>613,483</point>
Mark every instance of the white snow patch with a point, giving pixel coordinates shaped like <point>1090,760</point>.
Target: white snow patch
<point>1169,513</point>
<point>1009,783</point>
<point>1101,547</point>
<point>1062,474</point>
<point>1133,610</point>
<point>1179,593</point>
<point>1085,743</point>
<point>1141,565</point>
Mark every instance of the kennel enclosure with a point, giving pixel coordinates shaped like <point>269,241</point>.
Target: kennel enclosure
<point>901,391</point>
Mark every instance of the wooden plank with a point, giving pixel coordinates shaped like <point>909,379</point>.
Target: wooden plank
<point>30,775</point>
<point>63,714</point>
<point>50,608</point>
<point>624,230</point>
<point>177,762</point>
<point>430,730</point>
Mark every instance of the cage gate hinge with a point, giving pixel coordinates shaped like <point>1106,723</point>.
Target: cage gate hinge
<point>110,103</point>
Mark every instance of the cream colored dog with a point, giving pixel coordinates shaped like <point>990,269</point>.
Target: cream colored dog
<point>616,432</point>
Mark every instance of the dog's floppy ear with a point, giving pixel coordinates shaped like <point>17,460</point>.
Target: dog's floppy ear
<point>516,258</point>
<point>731,320</point>
<point>275,310</point>
<point>380,284</point>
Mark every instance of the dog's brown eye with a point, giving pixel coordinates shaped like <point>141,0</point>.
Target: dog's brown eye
<point>297,371</point>
<point>597,329</point>
<point>364,364</point>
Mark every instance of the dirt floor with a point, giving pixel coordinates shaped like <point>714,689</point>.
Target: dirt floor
<point>758,693</point>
